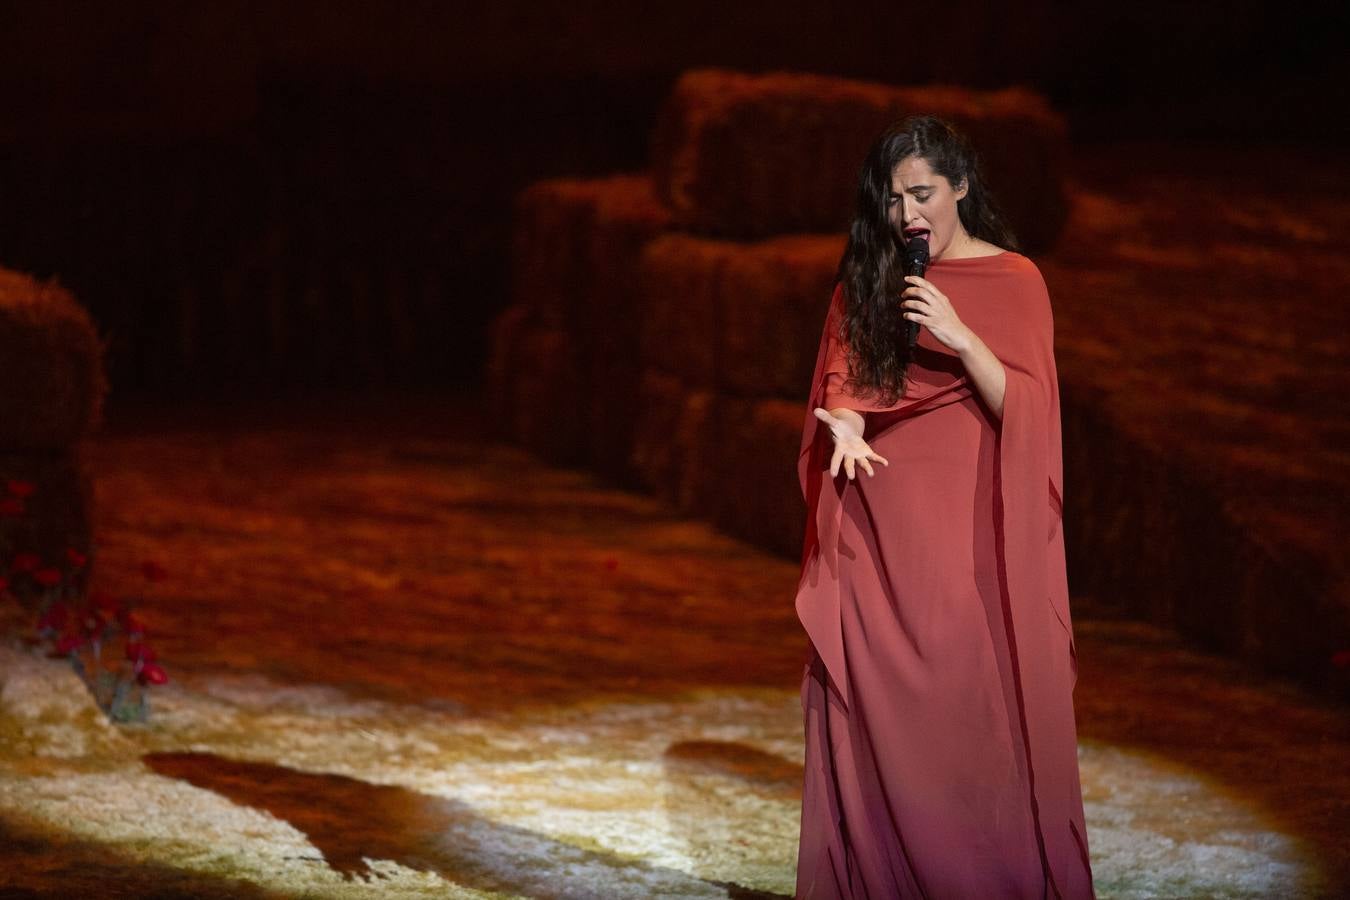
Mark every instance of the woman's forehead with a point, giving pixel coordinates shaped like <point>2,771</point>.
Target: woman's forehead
<point>914,172</point>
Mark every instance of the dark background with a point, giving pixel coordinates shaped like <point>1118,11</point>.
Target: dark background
<point>257,198</point>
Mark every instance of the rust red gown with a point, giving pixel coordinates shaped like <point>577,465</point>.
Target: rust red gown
<point>941,746</point>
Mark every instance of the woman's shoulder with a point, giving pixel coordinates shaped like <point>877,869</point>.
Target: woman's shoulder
<point>1016,259</point>
<point>1015,279</point>
<point>1026,288</point>
<point>1022,266</point>
<point>1000,263</point>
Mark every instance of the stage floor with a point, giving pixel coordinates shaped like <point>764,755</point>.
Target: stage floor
<point>410,662</point>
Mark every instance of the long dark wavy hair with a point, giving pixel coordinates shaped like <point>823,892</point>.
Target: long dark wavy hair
<point>872,266</point>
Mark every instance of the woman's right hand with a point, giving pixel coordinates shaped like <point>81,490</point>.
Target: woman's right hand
<point>849,447</point>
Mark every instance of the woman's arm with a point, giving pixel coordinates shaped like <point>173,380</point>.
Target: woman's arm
<point>985,371</point>
<point>930,307</point>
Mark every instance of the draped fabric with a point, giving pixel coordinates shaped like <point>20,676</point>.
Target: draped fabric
<point>941,747</point>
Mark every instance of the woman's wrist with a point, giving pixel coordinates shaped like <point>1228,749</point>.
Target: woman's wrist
<point>967,344</point>
<point>852,416</point>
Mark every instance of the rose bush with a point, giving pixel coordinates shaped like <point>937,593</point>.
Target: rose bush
<point>101,635</point>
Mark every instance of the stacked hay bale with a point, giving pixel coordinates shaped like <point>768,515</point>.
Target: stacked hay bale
<point>749,156</point>
<point>50,400</point>
<point>721,262</point>
<point>565,356</point>
<point>729,341</point>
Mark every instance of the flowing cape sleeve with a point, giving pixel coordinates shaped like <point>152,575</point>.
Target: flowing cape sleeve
<point>1015,321</point>
<point>1028,492</point>
<point>817,599</point>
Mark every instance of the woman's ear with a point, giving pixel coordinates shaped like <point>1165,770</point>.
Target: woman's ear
<point>962,187</point>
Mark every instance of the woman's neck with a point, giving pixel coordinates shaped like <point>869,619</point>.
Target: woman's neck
<point>967,247</point>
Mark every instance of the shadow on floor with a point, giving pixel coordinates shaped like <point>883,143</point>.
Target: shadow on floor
<point>351,821</point>
<point>38,862</point>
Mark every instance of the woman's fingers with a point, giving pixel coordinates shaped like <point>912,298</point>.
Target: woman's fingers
<point>850,453</point>
<point>850,464</point>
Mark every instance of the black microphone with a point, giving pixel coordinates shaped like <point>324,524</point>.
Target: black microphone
<point>916,263</point>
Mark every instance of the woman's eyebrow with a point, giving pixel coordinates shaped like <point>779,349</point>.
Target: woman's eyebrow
<point>915,189</point>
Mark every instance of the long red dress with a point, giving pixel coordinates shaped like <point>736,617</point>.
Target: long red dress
<point>941,747</point>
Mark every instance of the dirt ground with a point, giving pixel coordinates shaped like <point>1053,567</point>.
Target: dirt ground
<point>406,661</point>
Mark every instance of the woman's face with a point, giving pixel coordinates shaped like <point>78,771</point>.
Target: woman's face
<point>922,203</point>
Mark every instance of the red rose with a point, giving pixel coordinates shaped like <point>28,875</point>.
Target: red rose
<point>153,571</point>
<point>68,644</point>
<point>20,488</point>
<point>25,562</point>
<point>47,577</point>
<point>153,674</point>
<point>77,559</point>
<point>137,650</point>
<point>10,507</point>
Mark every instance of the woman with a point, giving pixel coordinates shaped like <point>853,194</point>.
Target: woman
<point>941,748</point>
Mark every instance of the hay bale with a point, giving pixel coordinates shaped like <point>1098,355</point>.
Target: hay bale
<point>577,244</point>
<point>546,396</point>
<point>550,231</point>
<point>740,318</point>
<point>626,216</point>
<point>773,297</point>
<point>568,232</point>
<point>730,460</point>
<point>533,386</point>
<point>57,514</point>
<point>655,455</point>
<point>752,472</point>
<point>696,478</point>
<point>505,334</point>
<point>680,331</point>
<point>53,386</point>
<point>674,447</point>
<point>750,156</point>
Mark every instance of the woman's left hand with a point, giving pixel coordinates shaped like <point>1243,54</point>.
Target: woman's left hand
<point>930,308</point>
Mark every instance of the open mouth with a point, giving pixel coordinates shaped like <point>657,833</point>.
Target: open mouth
<point>912,233</point>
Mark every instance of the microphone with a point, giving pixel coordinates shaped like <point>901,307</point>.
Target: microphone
<point>916,262</point>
